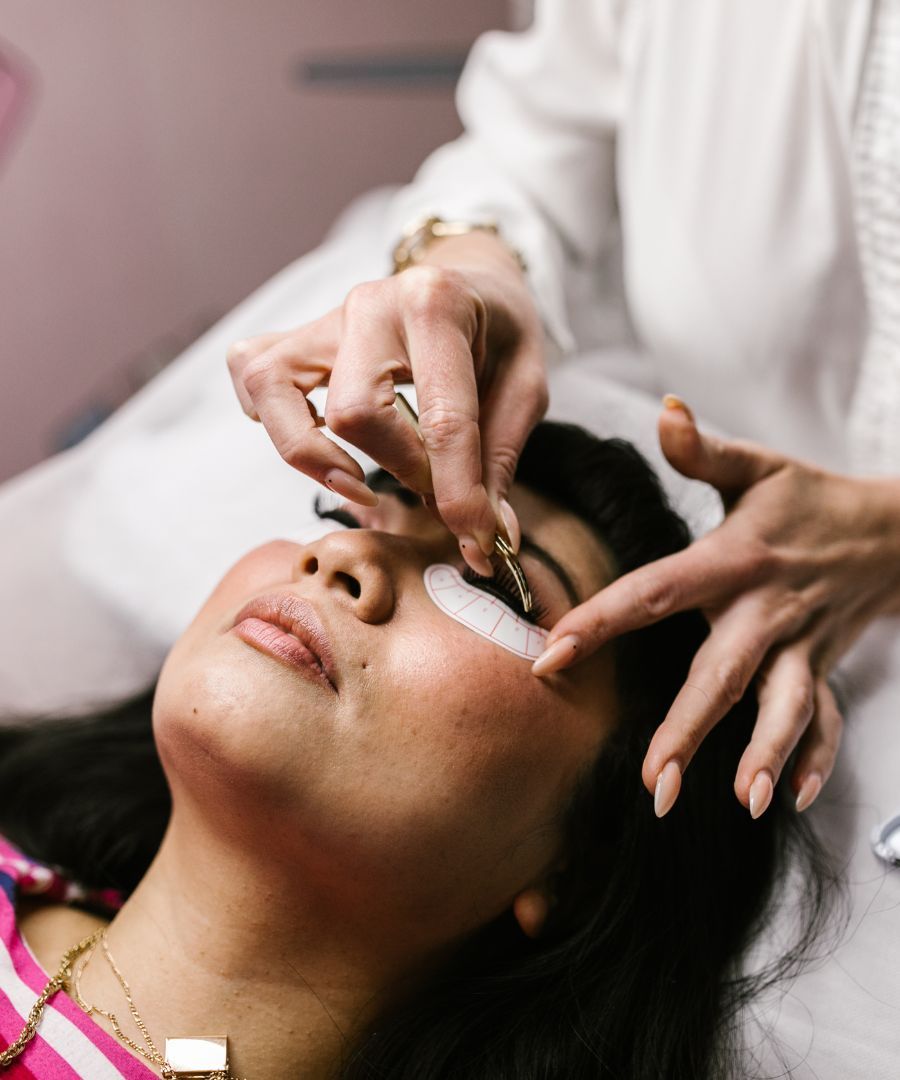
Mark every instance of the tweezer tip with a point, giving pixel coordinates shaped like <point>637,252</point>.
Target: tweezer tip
<point>504,549</point>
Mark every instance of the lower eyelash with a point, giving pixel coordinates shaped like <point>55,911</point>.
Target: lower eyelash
<point>503,586</point>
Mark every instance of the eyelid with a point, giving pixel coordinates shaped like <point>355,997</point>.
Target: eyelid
<point>548,564</point>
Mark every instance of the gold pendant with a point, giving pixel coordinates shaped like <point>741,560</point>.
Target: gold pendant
<point>196,1057</point>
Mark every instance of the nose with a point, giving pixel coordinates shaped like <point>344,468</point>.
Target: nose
<point>354,565</point>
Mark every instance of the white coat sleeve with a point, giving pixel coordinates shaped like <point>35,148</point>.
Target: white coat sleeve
<point>539,109</point>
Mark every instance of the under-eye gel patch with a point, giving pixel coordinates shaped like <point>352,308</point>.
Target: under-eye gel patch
<point>483,613</point>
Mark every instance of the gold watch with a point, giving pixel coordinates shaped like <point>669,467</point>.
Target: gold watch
<point>419,236</point>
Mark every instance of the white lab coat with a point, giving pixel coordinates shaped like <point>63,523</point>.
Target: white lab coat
<point>682,173</point>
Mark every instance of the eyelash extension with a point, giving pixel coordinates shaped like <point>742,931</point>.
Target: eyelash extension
<point>335,513</point>
<point>503,586</point>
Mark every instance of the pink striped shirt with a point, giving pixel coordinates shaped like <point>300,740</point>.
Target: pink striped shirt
<point>68,1044</point>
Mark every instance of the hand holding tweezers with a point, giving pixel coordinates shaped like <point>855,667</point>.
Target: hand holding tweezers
<point>502,547</point>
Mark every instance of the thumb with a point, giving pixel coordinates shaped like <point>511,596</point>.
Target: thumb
<point>729,465</point>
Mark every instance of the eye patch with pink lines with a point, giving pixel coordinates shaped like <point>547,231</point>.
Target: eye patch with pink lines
<point>482,613</point>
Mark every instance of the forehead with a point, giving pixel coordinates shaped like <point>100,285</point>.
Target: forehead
<point>566,537</point>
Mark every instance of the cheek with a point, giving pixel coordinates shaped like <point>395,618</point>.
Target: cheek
<point>469,723</point>
<point>473,734</point>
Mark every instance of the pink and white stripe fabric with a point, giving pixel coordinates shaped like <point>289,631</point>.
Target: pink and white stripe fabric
<point>69,1045</point>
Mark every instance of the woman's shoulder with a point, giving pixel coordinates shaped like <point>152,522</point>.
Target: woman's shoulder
<point>49,930</point>
<point>38,924</point>
<point>35,907</point>
<point>68,1045</point>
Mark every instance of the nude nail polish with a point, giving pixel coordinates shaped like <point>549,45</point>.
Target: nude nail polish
<point>512,524</point>
<point>809,791</point>
<point>760,793</point>
<point>556,655</point>
<point>351,488</point>
<point>673,401</point>
<point>475,557</point>
<point>668,785</point>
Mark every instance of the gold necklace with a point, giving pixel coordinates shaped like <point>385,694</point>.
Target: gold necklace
<point>193,1058</point>
<point>59,982</point>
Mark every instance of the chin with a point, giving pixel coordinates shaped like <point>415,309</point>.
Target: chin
<point>216,721</point>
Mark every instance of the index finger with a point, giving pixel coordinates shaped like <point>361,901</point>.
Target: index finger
<point>279,393</point>
<point>443,370</point>
<point>705,574</point>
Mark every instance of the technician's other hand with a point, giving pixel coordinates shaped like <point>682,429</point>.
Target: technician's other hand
<point>803,561</point>
<point>464,329</point>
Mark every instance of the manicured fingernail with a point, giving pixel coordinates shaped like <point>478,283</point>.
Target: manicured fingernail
<point>809,791</point>
<point>512,524</point>
<point>760,793</point>
<point>673,401</point>
<point>475,557</point>
<point>487,542</point>
<point>668,784</point>
<point>351,488</point>
<point>557,656</point>
<point>236,348</point>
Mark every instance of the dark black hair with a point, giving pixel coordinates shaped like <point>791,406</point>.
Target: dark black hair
<point>637,974</point>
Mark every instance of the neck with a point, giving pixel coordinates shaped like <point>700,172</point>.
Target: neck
<point>219,940</point>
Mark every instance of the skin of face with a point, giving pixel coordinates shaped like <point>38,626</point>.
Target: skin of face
<point>425,789</point>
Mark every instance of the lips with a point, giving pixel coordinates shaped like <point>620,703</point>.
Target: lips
<point>298,618</point>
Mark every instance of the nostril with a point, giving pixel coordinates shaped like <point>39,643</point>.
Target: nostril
<point>311,566</point>
<point>350,584</point>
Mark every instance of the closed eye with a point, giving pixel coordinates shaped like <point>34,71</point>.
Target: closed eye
<point>503,586</point>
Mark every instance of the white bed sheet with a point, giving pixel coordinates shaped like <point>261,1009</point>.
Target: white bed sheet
<point>110,548</point>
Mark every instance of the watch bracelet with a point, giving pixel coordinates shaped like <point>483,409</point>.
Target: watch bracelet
<point>419,236</point>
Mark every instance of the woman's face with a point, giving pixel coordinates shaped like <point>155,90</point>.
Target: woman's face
<point>428,770</point>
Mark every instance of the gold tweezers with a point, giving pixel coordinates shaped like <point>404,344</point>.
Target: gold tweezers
<point>506,553</point>
<point>501,546</point>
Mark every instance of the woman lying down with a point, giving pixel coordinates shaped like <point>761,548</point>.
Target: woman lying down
<point>377,846</point>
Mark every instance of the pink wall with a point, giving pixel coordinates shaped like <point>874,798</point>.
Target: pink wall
<point>171,162</point>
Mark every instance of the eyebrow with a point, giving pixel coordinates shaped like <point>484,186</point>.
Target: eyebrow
<point>542,555</point>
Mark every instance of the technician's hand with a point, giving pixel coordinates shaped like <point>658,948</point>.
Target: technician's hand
<point>803,561</point>
<point>465,331</point>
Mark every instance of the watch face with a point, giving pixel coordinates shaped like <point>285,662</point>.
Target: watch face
<point>419,235</point>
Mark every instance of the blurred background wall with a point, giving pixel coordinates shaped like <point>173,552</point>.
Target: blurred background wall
<point>160,160</point>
